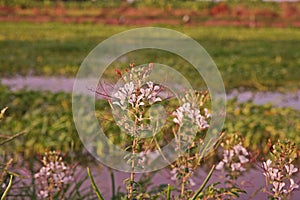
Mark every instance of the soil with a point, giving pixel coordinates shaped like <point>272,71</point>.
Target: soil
<point>288,15</point>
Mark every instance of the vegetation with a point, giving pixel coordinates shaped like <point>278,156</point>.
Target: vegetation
<point>48,120</point>
<point>260,59</point>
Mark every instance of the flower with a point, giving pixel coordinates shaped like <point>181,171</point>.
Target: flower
<point>220,165</point>
<point>43,194</point>
<point>227,155</point>
<point>293,185</point>
<point>125,93</point>
<point>290,169</point>
<point>130,93</point>
<point>237,167</point>
<point>53,175</point>
<point>267,164</point>
<point>243,159</point>
<point>234,158</point>
<point>278,187</point>
<point>240,149</point>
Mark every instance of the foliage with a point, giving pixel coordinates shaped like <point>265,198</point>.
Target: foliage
<point>259,123</point>
<point>47,119</point>
<point>260,59</point>
<point>6,176</point>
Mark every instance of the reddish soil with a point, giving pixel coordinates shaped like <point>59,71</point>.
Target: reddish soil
<point>218,15</point>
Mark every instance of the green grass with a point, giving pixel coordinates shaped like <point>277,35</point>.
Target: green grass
<point>261,59</point>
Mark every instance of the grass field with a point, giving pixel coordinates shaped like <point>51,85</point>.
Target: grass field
<point>260,59</point>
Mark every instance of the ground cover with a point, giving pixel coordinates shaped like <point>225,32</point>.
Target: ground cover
<point>261,59</point>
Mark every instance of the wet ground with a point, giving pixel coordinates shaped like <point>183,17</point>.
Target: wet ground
<point>63,84</point>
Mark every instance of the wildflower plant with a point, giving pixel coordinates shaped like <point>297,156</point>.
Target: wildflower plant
<point>235,157</point>
<point>279,170</point>
<point>130,101</point>
<point>53,177</point>
<point>136,104</point>
<point>192,121</point>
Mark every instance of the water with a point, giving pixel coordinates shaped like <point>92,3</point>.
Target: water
<point>63,84</point>
<point>251,181</point>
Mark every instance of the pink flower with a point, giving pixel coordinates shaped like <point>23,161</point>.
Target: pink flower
<point>278,187</point>
<point>290,169</point>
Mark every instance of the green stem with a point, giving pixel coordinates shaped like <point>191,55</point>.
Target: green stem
<point>12,137</point>
<point>8,188</point>
<point>112,177</point>
<point>204,183</point>
<point>94,185</point>
<point>169,192</point>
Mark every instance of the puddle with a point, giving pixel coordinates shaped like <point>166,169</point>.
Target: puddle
<point>290,99</point>
<point>63,84</point>
<point>250,181</point>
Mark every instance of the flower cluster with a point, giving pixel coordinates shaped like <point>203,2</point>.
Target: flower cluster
<point>53,176</point>
<point>186,110</point>
<point>277,176</point>
<point>279,169</point>
<point>131,100</point>
<point>234,158</point>
<point>136,96</point>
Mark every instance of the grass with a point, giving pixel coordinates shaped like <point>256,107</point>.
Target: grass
<point>260,59</point>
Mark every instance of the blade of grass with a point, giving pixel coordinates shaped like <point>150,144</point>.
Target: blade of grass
<point>94,185</point>
<point>8,188</point>
<point>112,177</point>
<point>169,192</point>
<point>203,184</point>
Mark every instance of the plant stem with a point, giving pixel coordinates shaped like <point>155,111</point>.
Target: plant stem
<point>95,188</point>
<point>204,183</point>
<point>184,178</point>
<point>7,188</point>
<point>112,177</point>
<point>12,137</point>
<point>132,174</point>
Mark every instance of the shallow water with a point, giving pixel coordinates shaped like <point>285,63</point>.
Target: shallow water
<point>63,84</point>
<point>251,181</point>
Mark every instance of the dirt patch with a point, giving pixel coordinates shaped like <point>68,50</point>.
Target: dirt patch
<point>218,15</point>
